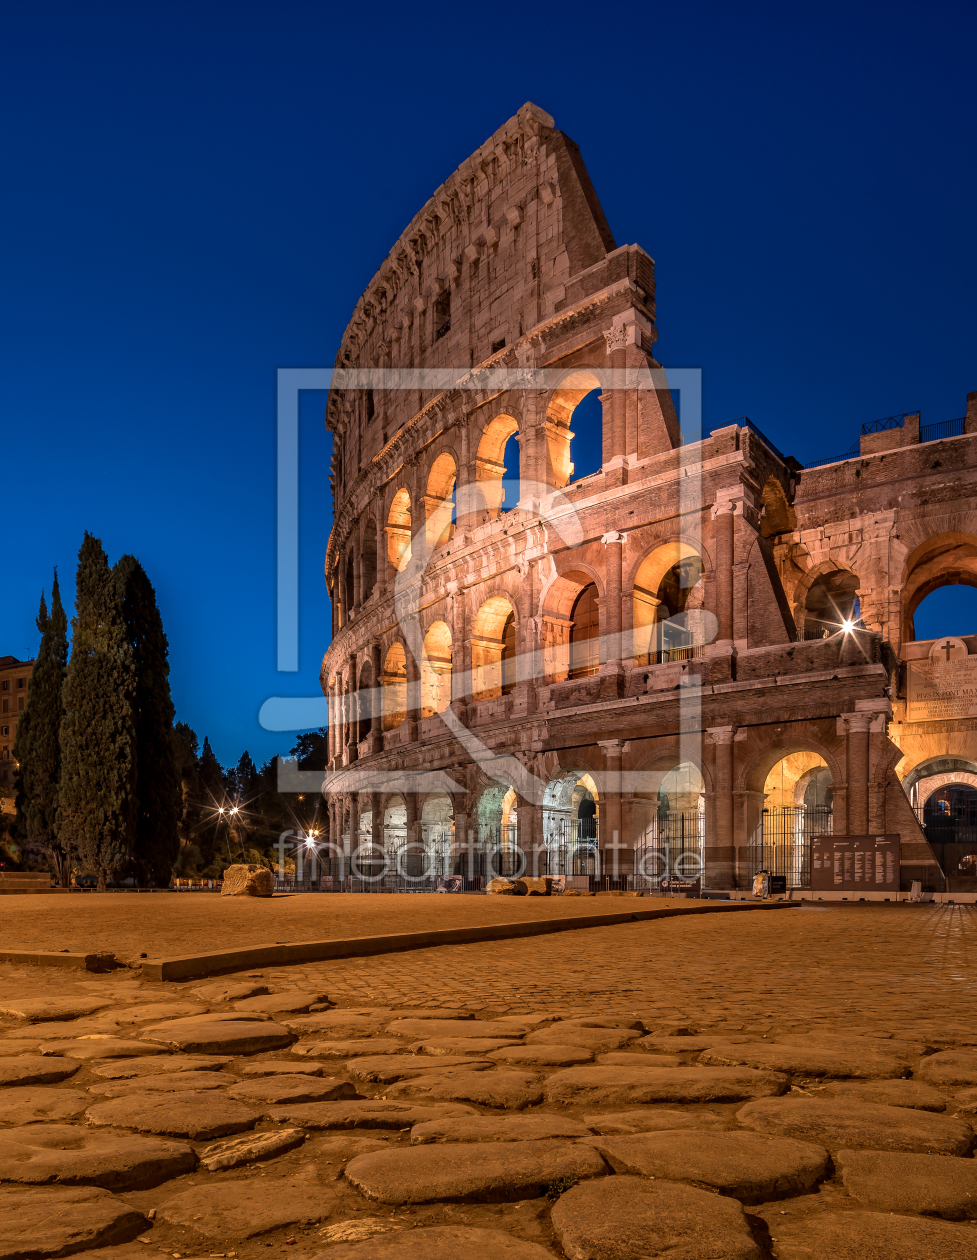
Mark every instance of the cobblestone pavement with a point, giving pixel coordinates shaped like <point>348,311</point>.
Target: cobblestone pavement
<point>798,1084</point>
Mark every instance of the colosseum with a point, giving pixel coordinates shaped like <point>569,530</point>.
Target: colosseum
<point>693,662</point>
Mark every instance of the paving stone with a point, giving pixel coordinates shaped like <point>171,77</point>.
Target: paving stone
<point>401,1067</point>
<point>23,1104</point>
<point>806,1060</point>
<point>38,1010</point>
<point>688,1045</point>
<point>749,1166</point>
<point>123,1069</point>
<point>284,1003</point>
<point>154,1010</point>
<point>610,1086</point>
<point>499,1029</point>
<point>433,1012</point>
<point>845,1123</point>
<point>652,1120</point>
<point>894,1047</point>
<point>37,1154</point>
<point>357,1231</point>
<point>458,1045</point>
<point>280,1067</point>
<point>438,1242</point>
<point>474,1172</point>
<point>331,1154</point>
<point>950,1067</point>
<point>966,1101</point>
<point>929,1185</point>
<point>56,1221</point>
<point>915,1094</point>
<point>100,1047</point>
<point>348,1049</point>
<point>167,1083</point>
<point>248,1147</point>
<point>247,1207</point>
<point>65,1029</point>
<point>367,1113</point>
<point>535,1020</point>
<point>628,1058</point>
<point>501,1088</point>
<point>338,1025</point>
<point>543,1056</point>
<point>629,1218</point>
<point>35,1069</point>
<point>228,991</point>
<point>599,1040</point>
<point>873,1236</point>
<point>196,1116</point>
<point>298,1088</point>
<point>206,1035</point>
<point>497,1129</point>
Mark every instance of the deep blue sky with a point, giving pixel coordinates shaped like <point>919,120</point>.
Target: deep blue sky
<point>196,194</point>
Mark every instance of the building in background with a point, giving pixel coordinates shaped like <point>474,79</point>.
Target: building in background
<point>14,683</point>
<point>696,660</point>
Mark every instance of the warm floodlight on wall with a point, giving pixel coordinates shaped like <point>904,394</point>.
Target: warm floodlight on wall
<point>848,626</point>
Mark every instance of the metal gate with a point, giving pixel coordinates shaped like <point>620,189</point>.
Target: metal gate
<point>783,842</point>
<point>674,844</point>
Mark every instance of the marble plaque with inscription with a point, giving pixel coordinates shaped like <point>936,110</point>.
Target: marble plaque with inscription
<point>938,690</point>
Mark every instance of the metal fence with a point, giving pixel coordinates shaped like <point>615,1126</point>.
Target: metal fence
<point>674,844</point>
<point>783,843</point>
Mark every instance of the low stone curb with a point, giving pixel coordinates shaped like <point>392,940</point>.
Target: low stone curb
<point>69,962</point>
<point>194,966</point>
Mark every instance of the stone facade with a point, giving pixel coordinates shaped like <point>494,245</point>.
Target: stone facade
<point>693,654</point>
<point>15,678</point>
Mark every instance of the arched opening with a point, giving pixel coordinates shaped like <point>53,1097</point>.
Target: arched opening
<point>831,605</point>
<point>350,586</point>
<point>497,466</point>
<point>585,634</point>
<point>368,561</point>
<point>436,670</point>
<point>776,516</point>
<point>571,825</point>
<point>947,610</point>
<point>672,844</point>
<point>365,702</point>
<point>439,500</point>
<point>401,860</point>
<point>797,807</point>
<point>670,622</point>
<point>498,850</point>
<point>398,532</point>
<point>394,687</point>
<point>366,861</point>
<point>490,645</point>
<point>437,832</point>
<point>577,452</point>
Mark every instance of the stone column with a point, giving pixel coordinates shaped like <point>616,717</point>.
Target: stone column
<point>352,730</point>
<point>354,823</point>
<point>618,856</point>
<point>376,723</point>
<point>526,645</point>
<point>858,727</point>
<point>376,830</point>
<point>460,654</point>
<point>413,695</point>
<point>724,574</point>
<point>615,435</point>
<point>721,853</point>
<point>611,648</point>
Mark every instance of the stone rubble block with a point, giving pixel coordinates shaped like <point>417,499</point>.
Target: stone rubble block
<point>611,1086</point>
<point>438,1242</point>
<point>247,1147</point>
<point>950,1067</point>
<point>873,1236</point>
<point>652,1120</point>
<point>806,1060</point>
<point>838,1123</point>
<point>209,1034</point>
<point>504,1089</point>
<point>248,1207</point>
<point>36,1069</point>
<point>893,1181</point>
<point>38,1154</point>
<point>60,1220</point>
<point>196,1116</point>
<point>400,1067</point>
<point>631,1218</point>
<point>543,1056</point>
<point>520,1128</point>
<point>288,1089</point>
<point>248,880</point>
<point>24,1104</point>
<point>749,1166</point>
<point>366,1113</point>
<point>471,1172</point>
<point>895,1093</point>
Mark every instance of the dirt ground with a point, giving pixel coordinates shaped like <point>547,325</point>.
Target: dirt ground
<point>168,924</point>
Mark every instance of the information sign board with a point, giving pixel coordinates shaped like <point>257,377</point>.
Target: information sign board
<point>855,863</point>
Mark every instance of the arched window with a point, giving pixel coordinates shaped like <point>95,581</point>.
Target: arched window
<point>575,432</point>
<point>585,634</point>
<point>439,507</point>
<point>350,587</point>
<point>949,610</point>
<point>436,670</point>
<point>509,654</point>
<point>398,532</point>
<point>670,623</point>
<point>395,687</point>
<point>831,604</point>
<point>365,702</point>
<point>497,466</point>
<point>368,562</point>
<point>489,632</point>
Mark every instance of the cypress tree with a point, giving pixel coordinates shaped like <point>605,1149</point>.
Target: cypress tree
<point>38,748</point>
<point>155,841</point>
<point>211,777</point>
<point>96,797</point>
<point>186,751</point>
